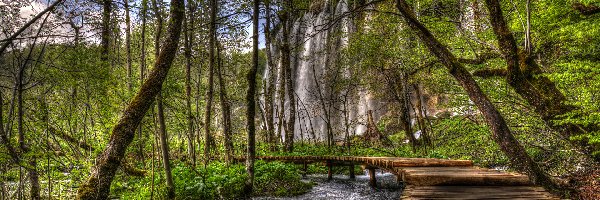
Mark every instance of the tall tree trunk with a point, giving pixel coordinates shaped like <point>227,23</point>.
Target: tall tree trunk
<point>270,87</point>
<point>162,129</point>
<point>285,58</point>
<point>326,113</point>
<point>251,102</point>
<point>501,134</point>
<point>102,174</point>
<point>164,146</point>
<point>105,35</point>
<point>209,93</point>
<point>281,103</point>
<point>128,46</point>
<point>398,90</point>
<point>189,36</point>
<point>142,72</point>
<point>420,112</point>
<point>225,109</point>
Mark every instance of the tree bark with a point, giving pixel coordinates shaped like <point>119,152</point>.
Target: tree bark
<point>270,87</point>
<point>251,103</point>
<point>501,134</point>
<point>189,36</point>
<point>128,46</point>
<point>281,107</point>
<point>142,72</point>
<point>162,129</point>
<point>105,35</point>
<point>420,112</point>
<point>522,74</point>
<point>285,57</point>
<point>102,174</point>
<point>209,93</point>
<point>164,147</point>
<point>225,109</point>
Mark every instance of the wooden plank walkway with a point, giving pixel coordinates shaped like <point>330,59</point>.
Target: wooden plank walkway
<point>428,178</point>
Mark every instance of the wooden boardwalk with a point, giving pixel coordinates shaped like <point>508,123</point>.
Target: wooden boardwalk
<point>428,178</point>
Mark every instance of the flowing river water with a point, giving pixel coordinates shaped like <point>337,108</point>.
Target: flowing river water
<point>342,188</point>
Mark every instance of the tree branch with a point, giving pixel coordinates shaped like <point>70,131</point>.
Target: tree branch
<point>480,59</point>
<point>586,9</point>
<point>33,20</point>
<point>489,73</point>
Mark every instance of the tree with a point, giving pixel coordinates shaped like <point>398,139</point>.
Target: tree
<point>10,39</point>
<point>211,65</point>
<point>128,45</point>
<point>162,129</point>
<point>105,35</point>
<point>98,184</point>
<point>270,85</point>
<point>523,74</point>
<point>251,102</point>
<point>189,36</point>
<point>225,109</point>
<point>501,134</point>
<point>287,67</point>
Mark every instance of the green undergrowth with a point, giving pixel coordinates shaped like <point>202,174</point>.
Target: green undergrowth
<point>217,181</point>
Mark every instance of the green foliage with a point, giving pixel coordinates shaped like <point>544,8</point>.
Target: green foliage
<point>217,181</point>
<point>458,138</point>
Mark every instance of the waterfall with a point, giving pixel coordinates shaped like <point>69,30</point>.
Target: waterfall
<point>316,40</point>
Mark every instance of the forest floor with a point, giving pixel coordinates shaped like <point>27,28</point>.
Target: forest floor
<point>588,184</point>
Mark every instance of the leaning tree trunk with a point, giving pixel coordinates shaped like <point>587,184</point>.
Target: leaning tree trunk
<point>541,93</point>
<point>251,103</point>
<point>98,184</point>
<point>501,134</point>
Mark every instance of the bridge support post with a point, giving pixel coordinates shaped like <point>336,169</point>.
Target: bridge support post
<point>372,180</point>
<point>305,170</point>
<point>351,168</point>
<point>329,172</point>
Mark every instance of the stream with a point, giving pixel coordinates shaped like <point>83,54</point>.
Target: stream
<point>342,188</point>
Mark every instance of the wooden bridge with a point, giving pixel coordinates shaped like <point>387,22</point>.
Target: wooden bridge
<point>427,178</point>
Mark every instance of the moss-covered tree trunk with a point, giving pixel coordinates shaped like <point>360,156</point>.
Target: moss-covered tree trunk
<point>97,186</point>
<point>251,103</point>
<point>501,134</point>
<point>523,75</point>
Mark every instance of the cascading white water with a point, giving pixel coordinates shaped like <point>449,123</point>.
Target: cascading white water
<point>316,40</point>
